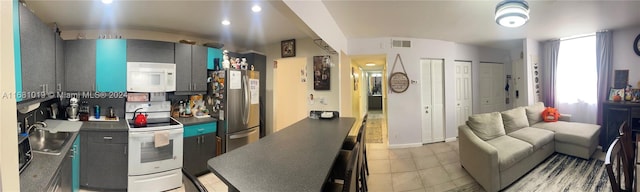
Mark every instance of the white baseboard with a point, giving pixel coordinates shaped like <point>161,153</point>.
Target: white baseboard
<point>406,145</point>
<point>452,139</point>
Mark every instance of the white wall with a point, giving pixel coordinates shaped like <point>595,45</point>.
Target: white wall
<point>305,48</point>
<point>532,51</point>
<point>317,17</point>
<point>9,180</point>
<point>623,55</point>
<point>404,115</point>
<point>290,93</point>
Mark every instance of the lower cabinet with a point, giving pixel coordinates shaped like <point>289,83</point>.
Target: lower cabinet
<point>66,177</point>
<point>199,147</point>
<point>103,161</point>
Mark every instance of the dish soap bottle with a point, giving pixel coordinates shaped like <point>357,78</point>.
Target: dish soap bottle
<point>187,109</point>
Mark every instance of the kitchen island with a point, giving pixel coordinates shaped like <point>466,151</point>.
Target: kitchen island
<point>297,158</point>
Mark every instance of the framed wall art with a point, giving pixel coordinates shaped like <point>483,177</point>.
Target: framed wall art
<point>288,48</point>
<point>321,73</point>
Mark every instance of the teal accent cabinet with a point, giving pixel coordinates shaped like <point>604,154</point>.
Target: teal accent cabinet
<point>16,48</point>
<point>75,166</point>
<point>213,53</point>
<point>111,65</point>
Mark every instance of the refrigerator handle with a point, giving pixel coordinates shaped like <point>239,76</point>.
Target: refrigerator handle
<point>245,115</point>
<point>242,135</point>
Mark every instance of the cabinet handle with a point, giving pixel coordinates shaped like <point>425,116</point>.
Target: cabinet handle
<point>107,138</point>
<point>202,139</point>
<point>59,87</point>
<point>125,150</point>
<point>198,139</point>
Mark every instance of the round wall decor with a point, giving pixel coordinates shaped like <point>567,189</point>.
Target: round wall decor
<point>636,45</point>
<point>399,82</point>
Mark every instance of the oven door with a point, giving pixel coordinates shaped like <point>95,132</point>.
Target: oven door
<point>145,158</point>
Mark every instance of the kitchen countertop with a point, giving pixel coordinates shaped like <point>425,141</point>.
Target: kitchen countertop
<point>120,125</point>
<point>297,158</point>
<point>195,121</point>
<point>38,174</point>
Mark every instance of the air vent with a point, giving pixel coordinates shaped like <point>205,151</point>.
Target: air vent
<point>401,43</point>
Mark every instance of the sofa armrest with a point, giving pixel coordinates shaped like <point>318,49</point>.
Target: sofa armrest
<point>565,117</point>
<point>479,158</point>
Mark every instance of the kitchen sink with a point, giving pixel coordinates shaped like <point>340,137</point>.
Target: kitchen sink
<point>43,141</point>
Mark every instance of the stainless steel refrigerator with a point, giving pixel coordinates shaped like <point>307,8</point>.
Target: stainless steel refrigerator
<point>233,97</point>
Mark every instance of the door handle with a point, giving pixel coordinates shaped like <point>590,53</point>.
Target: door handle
<point>246,100</point>
<point>427,112</point>
<point>242,135</point>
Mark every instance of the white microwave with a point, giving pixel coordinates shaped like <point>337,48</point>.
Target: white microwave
<point>151,77</point>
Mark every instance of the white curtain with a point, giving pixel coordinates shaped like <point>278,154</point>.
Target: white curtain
<point>577,79</point>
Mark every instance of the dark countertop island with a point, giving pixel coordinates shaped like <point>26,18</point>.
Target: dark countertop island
<point>297,158</point>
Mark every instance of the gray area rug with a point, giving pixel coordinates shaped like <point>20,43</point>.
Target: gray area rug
<point>558,173</point>
<point>374,127</point>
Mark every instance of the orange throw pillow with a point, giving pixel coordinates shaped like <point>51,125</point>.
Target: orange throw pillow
<point>550,114</point>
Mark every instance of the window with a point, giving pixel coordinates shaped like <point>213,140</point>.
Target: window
<point>576,78</point>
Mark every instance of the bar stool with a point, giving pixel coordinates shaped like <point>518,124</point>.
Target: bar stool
<point>350,143</point>
<point>344,168</point>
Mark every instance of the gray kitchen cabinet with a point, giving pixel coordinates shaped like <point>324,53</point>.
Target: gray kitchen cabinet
<point>80,65</point>
<point>37,53</point>
<point>103,160</point>
<point>197,151</point>
<point>60,75</point>
<point>62,180</point>
<point>150,51</point>
<point>191,68</point>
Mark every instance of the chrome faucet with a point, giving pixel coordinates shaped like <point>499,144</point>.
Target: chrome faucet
<point>34,125</point>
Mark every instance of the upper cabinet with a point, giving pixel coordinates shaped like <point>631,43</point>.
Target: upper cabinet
<point>80,65</point>
<point>111,65</point>
<point>60,71</point>
<point>150,51</point>
<point>37,52</point>
<point>191,68</point>
<point>214,57</point>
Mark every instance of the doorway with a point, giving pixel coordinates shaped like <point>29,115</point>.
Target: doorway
<point>432,86</point>
<point>464,99</point>
<point>491,85</point>
<point>373,96</point>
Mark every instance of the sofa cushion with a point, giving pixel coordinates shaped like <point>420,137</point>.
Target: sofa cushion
<point>510,150</point>
<point>581,134</point>
<point>534,112</point>
<point>514,119</point>
<point>487,125</point>
<point>534,136</point>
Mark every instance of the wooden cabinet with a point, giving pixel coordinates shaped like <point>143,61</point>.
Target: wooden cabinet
<point>37,52</point>
<point>150,51</point>
<point>80,65</point>
<point>103,160</point>
<point>191,68</point>
<point>199,146</point>
<point>613,115</point>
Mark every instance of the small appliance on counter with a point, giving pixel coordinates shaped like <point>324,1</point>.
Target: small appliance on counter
<point>73,109</point>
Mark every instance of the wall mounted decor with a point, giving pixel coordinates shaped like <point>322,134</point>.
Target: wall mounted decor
<point>621,79</point>
<point>321,73</point>
<point>398,81</point>
<point>288,48</point>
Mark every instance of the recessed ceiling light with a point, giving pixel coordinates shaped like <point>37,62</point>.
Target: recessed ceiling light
<point>226,22</point>
<point>107,1</point>
<point>371,64</point>
<point>256,8</point>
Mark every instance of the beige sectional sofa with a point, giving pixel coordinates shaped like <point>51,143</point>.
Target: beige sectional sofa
<point>500,147</point>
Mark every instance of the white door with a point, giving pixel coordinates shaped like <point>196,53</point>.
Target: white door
<point>463,92</point>
<point>491,85</point>
<point>432,100</point>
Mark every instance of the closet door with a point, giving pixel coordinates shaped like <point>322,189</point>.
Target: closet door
<point>464,101</point>
<point>491,85</point>
<point>432,86</point>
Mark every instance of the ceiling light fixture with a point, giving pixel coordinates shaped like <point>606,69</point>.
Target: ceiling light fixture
<point>107,2</point>
<point>512,13</point>
<point>256,8</point>
<point>226,22</point>
<point>370,64</point>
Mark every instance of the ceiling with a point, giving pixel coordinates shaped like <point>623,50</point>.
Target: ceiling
<point>468,22</point>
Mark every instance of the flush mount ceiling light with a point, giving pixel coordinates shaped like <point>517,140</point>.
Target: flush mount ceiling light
<point>107,2</point>
<point>512,13</point>
<point>370,64</point>
<point>256,8</point>
<point>226,22</point>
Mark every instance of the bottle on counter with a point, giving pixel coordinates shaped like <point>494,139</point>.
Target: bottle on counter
<point>181,110</point>
<point>188,107</point>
